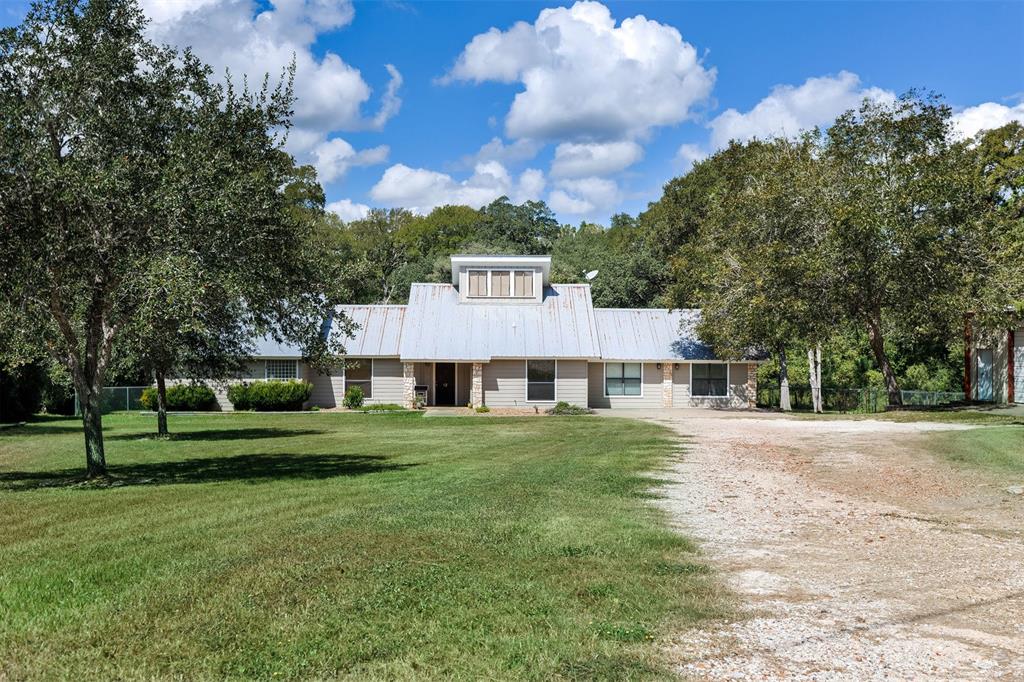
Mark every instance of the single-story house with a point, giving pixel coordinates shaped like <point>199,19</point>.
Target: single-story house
<point>994,363</point>
<point>502,335</point>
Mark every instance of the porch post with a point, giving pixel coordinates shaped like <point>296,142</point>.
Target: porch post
<point>476,389</point>
<point>666,384</point>
<point>751,385</point>
<point>408,385</point>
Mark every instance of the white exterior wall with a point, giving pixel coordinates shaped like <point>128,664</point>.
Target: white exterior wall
<point>328,389</point>
<point>651,388</point>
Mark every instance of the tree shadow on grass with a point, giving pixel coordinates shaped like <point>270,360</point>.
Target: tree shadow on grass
<point>220,434</point>
<point>257,468</point>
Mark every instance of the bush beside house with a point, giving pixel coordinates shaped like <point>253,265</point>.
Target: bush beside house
<point>183,398</point>
<point>270,396</point>
<point>354,398</point>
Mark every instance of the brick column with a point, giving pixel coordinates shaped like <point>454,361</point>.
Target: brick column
<point>751,385</point>
<point>666,384</point>
<point>408,385</point>
<point>476,386</point>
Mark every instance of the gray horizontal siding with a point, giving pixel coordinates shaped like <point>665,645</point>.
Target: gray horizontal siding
<point>681,385</point>
<point>387,381</point>
<point>505,383</point>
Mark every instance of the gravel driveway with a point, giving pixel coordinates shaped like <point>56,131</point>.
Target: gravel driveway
<point>855,554</point>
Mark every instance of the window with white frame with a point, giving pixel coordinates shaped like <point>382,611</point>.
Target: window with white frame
<point>477,282</point>
<point>360,373</point>
<point>523,284</point>
<point>500,283</point>
<point>623,378</point>
<point>710,380</point>
<point>540,380</point>
<point>281,370</point>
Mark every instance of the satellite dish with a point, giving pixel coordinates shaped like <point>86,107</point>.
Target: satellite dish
<point>590,275</point>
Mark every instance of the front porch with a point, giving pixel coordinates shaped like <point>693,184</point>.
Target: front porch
<point>442,384</point>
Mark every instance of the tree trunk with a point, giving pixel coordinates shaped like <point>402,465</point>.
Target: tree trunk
<point>817,372</point>
<point>784,403</point>
<point>161,403</point>
<point>92,421</point>
<point>892,388</point>
<point>814,377</point>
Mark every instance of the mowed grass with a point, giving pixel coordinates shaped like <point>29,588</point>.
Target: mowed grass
<point>998,448</point>
<point>334,545</point>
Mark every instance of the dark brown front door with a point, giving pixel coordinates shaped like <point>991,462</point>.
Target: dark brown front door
<point>444,383</point>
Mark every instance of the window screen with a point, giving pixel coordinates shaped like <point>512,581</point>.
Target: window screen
<point>524,284</point>
<point>623,378</point>
<point>477,282</point>
<point>500,283</point>
<point>540,380</point>
<point>282,370</point>
<point>359,373</point>
<point>710,380</point>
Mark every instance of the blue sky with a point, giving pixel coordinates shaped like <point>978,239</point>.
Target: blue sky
<point>614,98</point>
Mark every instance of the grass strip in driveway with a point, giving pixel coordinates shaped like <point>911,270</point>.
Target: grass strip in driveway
<point>334,545</point>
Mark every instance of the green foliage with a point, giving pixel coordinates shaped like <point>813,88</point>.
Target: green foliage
<point>482,409</point>
<point>182,397</point>
<point>353,397</point>
<point>21,392</point>
<point>146,207</point>
<point>270,396</point>
<point>563,408</point>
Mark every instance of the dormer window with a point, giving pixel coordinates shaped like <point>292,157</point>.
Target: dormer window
<point>501,283</point>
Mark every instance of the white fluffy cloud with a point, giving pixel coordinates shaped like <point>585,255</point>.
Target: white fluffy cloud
<point>973,120</point>
<point>586,78</point>
<point>790,109</point>
<point>421,189</point>
<point>240,36</point>
<point>348,210</point>
<point>690,154</point>
<point>583,196</point>
<point>498,150</point>
<point>336,156</point>
<point>576,160</point>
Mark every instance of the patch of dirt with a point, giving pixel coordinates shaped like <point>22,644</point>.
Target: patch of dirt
<point>855,553</point>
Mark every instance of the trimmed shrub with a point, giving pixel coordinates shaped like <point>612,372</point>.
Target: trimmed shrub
<point>563,408</point>
<point>353,397</point>
<point>182,397</point>
<point>483,409</point>
<point>270,396</point>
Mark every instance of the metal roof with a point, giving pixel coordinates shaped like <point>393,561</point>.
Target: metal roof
<point>379,331</point>
<point>267,347</point>
<point>650,334</point>
<point>438,327</point>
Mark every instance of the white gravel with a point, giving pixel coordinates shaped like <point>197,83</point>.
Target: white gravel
<point>854,553</point>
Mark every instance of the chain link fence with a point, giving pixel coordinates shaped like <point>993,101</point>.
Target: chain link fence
<point>117,399</point>
<point>860,400</point>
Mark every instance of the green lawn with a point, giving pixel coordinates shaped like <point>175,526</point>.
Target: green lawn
<point>999,448</point>
<point>325,545</point>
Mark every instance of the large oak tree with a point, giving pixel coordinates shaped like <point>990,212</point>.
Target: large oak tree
<point>132,188</point>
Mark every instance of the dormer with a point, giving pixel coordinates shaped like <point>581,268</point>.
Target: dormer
<point>501,279</point>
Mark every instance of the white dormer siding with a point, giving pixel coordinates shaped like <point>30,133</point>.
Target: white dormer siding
<point>501,279</point>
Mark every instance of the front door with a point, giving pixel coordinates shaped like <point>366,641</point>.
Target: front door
<point>984,374</point>
<point>444,383</point>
